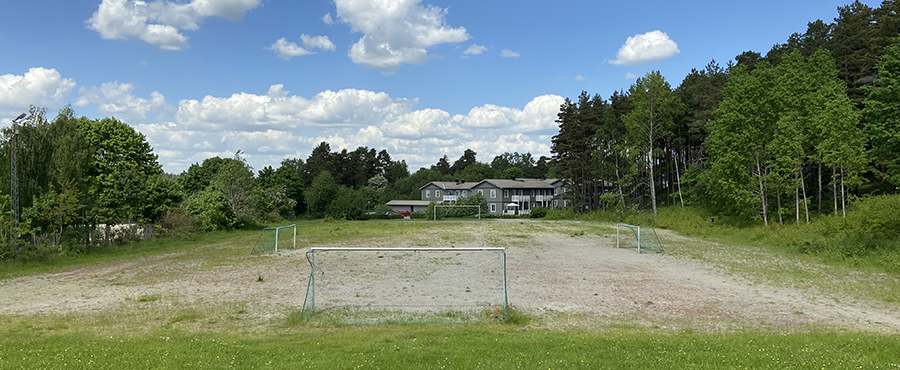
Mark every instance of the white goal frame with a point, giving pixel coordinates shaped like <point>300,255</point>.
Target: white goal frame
<point>311,257</point>
<point>456,206</point>
<point>278,233</point>
<point>638,235</point>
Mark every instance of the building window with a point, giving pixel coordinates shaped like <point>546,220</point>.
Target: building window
<point>427,193</point>
<point>493,193</point>
<point>481,192</point>
<point>555,191</point>
<point>493,207</point>
<point>465,193</point>
<point>457,192</point>
<point>506,193</point>
<point>555,204</point>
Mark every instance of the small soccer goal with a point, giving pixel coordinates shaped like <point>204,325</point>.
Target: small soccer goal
<point>378,285</point>
<point>272,238</point>
<point>456,211</point>
<point>642,238</point>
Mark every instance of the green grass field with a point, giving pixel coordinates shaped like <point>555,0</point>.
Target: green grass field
<point>463,347</point>
<point>155,331</point>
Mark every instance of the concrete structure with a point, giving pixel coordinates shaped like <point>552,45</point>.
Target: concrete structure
<point>408,205</point>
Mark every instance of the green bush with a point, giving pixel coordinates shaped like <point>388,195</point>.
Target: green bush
<point>560,214</point>
<point>418,215</point>
<point>539,212</point>
<point>347,206</point>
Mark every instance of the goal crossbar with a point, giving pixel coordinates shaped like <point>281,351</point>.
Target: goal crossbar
<point>311,257</point>
<point>456,206</point>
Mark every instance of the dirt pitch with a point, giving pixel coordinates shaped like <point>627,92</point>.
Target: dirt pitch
<point>557,275</point>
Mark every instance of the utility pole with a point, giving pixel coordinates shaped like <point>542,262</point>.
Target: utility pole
<point>14,178</point>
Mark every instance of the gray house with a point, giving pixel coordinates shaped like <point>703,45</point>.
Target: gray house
<point>515,196</point>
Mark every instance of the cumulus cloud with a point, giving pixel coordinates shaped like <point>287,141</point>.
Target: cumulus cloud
<point>579,78</point>
<point>39,86</point>
<point>396,32</point>
<point>475,49</point>
<point>116,99</point>
<point>279,125</point>
<point>327,19</point>
<point>630,76</point>
<point>317,42</point>
<point>287,50</point>
<point>160,23</point>
<point>280,110</point>
<point>644,48</point>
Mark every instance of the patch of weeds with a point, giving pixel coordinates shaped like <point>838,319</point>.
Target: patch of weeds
<point>148,298</point>
<point>260,279</point>
<point>185,317</point>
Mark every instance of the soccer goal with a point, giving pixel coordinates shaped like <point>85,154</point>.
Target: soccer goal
<point>462,211</point>
<point>401,284</point>
<point>643,238</point>
<point>271,238</point>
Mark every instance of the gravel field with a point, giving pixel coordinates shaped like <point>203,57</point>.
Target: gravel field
<point>561,278</point>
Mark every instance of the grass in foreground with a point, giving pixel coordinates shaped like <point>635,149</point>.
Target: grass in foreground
<point>459,347</point>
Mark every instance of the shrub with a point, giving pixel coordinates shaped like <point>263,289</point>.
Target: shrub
<point>418,215</point>
<point>560,214</point>
<point>539,212</point>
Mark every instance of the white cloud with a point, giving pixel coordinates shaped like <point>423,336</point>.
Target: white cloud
<point>160,23</point>
<point>506,53</point>
<point>287,50</point>
<point>280,110</point>
<point>630,76</point>
<point>644,48</point>
<point>39,86</point>
<point>116,99</point>
<point>396,32</point>
<point>327,19</point>
<point>320,42</point>
<point>271,127</point>
<point>579,78</point>
<point>475,49</point>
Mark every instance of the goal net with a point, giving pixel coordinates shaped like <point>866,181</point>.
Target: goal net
<point>441,211</point>
<point>642,238</point>
<point>406,284</point>
<point>272,238</point>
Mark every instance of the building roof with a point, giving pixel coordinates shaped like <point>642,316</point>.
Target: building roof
<point>500,183</point>
<point>452,185</point>
<point>417,203</point>
<point>519,184</point>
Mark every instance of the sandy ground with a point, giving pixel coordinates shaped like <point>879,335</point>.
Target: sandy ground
<point>569,280</point>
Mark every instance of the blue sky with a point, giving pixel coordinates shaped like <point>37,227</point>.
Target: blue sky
<point>419,78</point>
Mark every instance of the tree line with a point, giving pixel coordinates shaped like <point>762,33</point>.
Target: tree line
<point>78,178</point>
<point>804,129</point>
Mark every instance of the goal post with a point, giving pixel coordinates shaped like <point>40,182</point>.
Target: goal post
<point>271,238</point>
<point>643,238</point>
<point>406,282</point>
<point>456,206</point>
